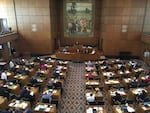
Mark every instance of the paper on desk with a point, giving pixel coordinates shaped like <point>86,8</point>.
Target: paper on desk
<point>89,110</point>
<point>130,109</point>
<point>47,109</point>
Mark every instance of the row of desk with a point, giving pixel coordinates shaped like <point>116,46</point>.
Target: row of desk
<point>93,87</point>
<point>115,82</point>
<point>39,106</point>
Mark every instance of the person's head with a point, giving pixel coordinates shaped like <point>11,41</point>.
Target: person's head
<point>143,91</point>
<point>117,93</point>
<point>27,111</point>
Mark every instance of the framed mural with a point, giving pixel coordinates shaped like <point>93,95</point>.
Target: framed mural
<point>79,18</point>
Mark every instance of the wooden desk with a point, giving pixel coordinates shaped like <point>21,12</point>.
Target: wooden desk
<point>46,73</point>
<point>3,102</point>
<point>50,67</point>
<point>138,70</point>
<point>126,82</point>
<point>44,108</point>
<point>94,75</point>
<point>51,62</point>
<point>110,83</point>
<point>134,92</point>
<point>98,108</point>
<point>98,95</point>
<point>57,80</point>
<point>40,80</point>
<point>24,79</point>
<point>62,63</point>
<point>109,74</point>
<point>32,72</point>
<point>63,68</point>
<point>35,91</point>
<point>63,74</point>
<point>123,109</point>
<point>143,107</point>
<point>36,65</point>
<point>112,92</point>
<point>10,75</point>
<point>21,104</point>
<point>14,88</point>
<point>92,83</point>
<point>56,94</point>
<point>90,68</point>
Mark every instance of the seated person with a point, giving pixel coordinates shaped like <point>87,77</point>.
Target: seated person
<point>86,51</point>
<point>137,75</point>
<point>43,67</point>
<point>77,43</point>
<point>141,96</point>
<point>117,98</point>
<point>97,65</point>
<point>25,71</point>
<point>133,84</point>
<point>90,75</point>
<point>4,76</point>
<point>78,50</point>
<point>125,75</point>
<point>148,79</point>
<point>39,74</point>
<point>36,59</point>
<point>27,94</point>
<point>24,92</point>
<point>58,69</point>
<point>28,111</point>
<point>48,96</point>
<point>143,83</point>
<point>57,85</point>
<point>55,74</point>
<point>93,52</point>
<point>64,50</point>
<point>50,84</point>
<point>33,81</point>
<point>123,68</point>
<point>90,98</point>
<point>4,91</point>
<point>89,63</point>
<point>11,65</point>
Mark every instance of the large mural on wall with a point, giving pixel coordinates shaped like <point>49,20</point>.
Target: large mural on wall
<point>79,18</point>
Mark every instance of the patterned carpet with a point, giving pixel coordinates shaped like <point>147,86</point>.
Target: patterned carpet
<point>73,100</point>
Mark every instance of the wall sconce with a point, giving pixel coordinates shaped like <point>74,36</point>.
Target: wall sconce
<point>124,28</point>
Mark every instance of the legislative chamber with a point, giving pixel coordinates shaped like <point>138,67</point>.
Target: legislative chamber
<point>74,56</point>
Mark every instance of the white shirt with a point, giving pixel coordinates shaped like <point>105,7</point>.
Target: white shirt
<point>4,76</point>
<point>93,52</point>
<point>90,98</point>
<point>11,64</point>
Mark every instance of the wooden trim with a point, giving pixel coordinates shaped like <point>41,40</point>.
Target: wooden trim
<point>8,37</point>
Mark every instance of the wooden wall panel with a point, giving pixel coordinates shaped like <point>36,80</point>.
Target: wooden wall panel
<point>7,11</point>
<point>116,13</point>
<point>147,18</point>
<point>32,13</point>
<point>110,15</point>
